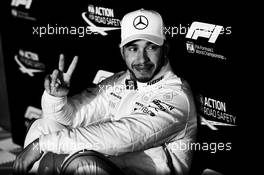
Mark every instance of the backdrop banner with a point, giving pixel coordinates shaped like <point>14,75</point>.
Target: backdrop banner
<point>202,51</point>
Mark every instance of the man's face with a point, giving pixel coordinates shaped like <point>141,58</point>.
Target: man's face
<point>143,58</point>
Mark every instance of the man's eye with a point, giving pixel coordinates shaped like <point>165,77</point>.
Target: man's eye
<point>132,49</point>
<point>152,47</point>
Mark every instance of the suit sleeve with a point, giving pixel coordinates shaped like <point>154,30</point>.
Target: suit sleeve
<point>86,107</point>
<point>135,132</point>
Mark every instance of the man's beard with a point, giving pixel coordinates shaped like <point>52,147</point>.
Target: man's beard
<point>147,79</point>
<point>142,80</point>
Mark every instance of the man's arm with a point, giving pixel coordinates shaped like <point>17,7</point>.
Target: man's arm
<point>73,111</point>
<point>81,109</point>
<point>135,132</point>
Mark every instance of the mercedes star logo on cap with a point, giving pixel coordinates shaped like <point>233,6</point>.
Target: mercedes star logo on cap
<point>140,22</point>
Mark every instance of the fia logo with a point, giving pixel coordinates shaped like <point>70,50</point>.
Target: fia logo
<point>190,47</point>
<point>205,30</point>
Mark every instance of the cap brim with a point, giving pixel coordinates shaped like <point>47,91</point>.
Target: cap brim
<point>151,38</point>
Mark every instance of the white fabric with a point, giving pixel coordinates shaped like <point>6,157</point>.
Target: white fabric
<point>115,121</point>
<point>142,24</point>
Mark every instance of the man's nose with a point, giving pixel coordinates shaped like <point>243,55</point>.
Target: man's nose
<point>142,57</point>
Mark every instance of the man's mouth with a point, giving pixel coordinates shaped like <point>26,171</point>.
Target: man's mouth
<point>143,67</point>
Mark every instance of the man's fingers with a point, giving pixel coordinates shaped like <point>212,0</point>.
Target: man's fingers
<point>54,77</point>
<point>61,63</point>
<point>47,83</point>
<point>72,66</point>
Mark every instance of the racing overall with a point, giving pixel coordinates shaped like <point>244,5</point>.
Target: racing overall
<point>144,128</point>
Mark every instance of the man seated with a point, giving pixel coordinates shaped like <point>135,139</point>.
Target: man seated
<point>140,120</point>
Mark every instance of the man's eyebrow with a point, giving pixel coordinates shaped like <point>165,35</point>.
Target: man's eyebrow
<point>151,43</point>
<point>133,44</point>
<point>130,44</point>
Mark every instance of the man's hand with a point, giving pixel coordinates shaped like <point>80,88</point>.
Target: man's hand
<point>57,84</point>
<point>26,159</point>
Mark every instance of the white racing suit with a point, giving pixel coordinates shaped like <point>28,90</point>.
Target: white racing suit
<point>131,122</point>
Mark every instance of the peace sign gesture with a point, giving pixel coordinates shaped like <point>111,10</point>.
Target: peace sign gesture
<point>57,84</point>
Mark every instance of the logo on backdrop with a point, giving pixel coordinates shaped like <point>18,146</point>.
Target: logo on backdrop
<point>211,32</point>
<point>29,62</point>
<point>102,16</point>
<point>205,30</point>
<point>20,9</point>
<point>214,113</point>
<point>101,75</point>
<point>33,113</point>
<point>25,3</point>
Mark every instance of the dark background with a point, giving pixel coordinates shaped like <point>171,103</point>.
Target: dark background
<point>208,76</point>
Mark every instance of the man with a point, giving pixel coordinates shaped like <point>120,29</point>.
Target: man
<point>142,119</point>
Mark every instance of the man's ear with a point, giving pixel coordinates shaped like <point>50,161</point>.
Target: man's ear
<point>166,48</point>
<point>122,52</point>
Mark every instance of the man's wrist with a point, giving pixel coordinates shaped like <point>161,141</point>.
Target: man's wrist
<point>52,97</point>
